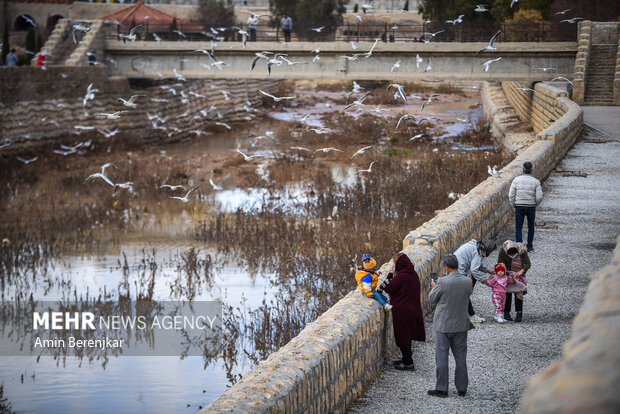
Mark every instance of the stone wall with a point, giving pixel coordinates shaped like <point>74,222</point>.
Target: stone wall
<point>584,38</point>
<point>334,358</point>
<point>586,379</point>
<point>617,77</point>
<point>38,105</point>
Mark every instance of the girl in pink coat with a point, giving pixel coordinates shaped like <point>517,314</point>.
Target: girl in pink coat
<point>498,283</point>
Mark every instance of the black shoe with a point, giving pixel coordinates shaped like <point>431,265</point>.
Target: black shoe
<point>462,393</point>
<point>519,317</point>
<point>437,393</point>
<point>507,316</point>
<point>403,367</point>
<point>530,249</point>
<point>397,362</point>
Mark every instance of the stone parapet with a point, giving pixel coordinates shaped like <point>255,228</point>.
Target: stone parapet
<point>586,379</point>
<point>92,42</point>
<point>581,62</point>
<point>323,375</point>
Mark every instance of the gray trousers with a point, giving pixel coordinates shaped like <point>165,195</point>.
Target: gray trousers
<point>456,341</point>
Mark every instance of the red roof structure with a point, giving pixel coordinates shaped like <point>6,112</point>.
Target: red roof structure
<point>151,19</point>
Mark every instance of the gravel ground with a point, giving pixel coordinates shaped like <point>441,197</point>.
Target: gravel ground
<point>502,356</point>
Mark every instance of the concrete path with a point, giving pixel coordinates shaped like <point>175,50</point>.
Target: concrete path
<point>577,224</point>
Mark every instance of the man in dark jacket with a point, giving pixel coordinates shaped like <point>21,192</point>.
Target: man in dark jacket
<point>525,194</point>
<point>451,323</point>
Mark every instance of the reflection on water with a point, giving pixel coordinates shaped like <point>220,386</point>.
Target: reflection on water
<point>277,245</point>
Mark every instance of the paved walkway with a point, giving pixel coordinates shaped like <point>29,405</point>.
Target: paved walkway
<point>577,224</point>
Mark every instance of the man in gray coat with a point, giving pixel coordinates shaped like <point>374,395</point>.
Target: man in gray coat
<point>524,195</point>
<point>451,323</point>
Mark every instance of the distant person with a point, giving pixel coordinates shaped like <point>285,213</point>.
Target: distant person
<point>514,256</point>
<point>407,315</point>
<point>470,257</point>
<point>11,58</point>
<point>287,25</point>
<point>91,58</point>
<point>252,22</point>
<point>524,195</point>
<point>451,294</point>
<point>41,59</point>
<point>367,279</point>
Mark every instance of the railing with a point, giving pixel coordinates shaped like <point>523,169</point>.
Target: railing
<point>433,32</point>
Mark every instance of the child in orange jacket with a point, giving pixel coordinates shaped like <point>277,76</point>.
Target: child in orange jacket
<point>367,279</point>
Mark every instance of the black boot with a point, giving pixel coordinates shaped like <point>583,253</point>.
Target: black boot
<point>519,317</point>
<point>507,316</point>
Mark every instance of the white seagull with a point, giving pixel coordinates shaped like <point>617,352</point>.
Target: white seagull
<point>25,161</point>
<point>490,47</point>
<point>185,198</point>
<point>368,170</point>
<point>247,157</point>
<point>487,64</point>
<point>275,98</point>
<point>401,90</point>
<point>395,66</point>
<point>327,150</point>
<point>131,102</point>
<point>361,151</point>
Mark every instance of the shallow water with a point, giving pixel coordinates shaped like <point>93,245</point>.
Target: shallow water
<point>169,384</point>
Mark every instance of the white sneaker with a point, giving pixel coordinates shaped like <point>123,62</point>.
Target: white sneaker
<point>499,319</point>
<point>387,307</point>
<point>476,319</point>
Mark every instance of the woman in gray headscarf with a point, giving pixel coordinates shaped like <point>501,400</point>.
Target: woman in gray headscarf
<point>470,257</point>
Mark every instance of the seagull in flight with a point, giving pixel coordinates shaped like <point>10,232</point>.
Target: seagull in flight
<point>481,8</point>
<point>490,47</point>
<point>457,20</point>
<point>275,98</point>
<point>131,102</point>
<point>563,12</point>
<point>400,89</point>
<point>25,161</point>
<point>247,157</point>
<point>428,66</point>
<point>361,151</point>
<point>415,137</point>
<point>216,187</point>
<point>487,64</point>
<point>172,187</point>
<point>81,28</point>
<point>327,150</point>
<point>318,29</point>
<point>562,78</point>
<point>368,170</point>
<point>418,60</point>
<point>358,17</point>
<point>512,3</point>
<point>320,131</point>
<point>185,198</point>
<point>402,118</point>
<point>132,34</point>
<point>224,124</point>
<point>115,115</point>
<point>546,69</point>
<point>395,66</point>
<point>300,149</point>
<point>157,38</point>
<point>428,101</point>
<point>369,53</point>
<point>359,103</point>
<point>178,75</point>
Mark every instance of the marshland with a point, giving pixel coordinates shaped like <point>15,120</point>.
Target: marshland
<point>275,238</point>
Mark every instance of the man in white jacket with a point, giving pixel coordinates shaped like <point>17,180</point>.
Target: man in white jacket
<point>524,195</point>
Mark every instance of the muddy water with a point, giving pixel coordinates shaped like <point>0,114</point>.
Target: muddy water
<point>293,224</point>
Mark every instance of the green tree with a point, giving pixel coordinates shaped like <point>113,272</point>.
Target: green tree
<point>356,8</point>
<point>5,42</point>
<point>215,13</point>
<point>406,8</point>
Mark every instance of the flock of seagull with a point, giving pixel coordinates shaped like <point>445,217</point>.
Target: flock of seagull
<point>272,59</point>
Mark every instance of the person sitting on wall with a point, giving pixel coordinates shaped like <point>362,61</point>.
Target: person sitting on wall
<point>367,279</point>
<point>11,58</point>
<point>407,315</point>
